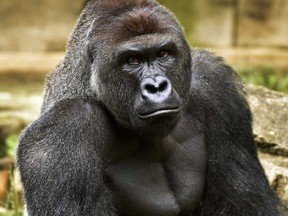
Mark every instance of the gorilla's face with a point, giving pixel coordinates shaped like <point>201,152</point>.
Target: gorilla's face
<point>145,82</point>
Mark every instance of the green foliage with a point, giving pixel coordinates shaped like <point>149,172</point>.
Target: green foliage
<point>276,79</point>
<point>11,206</point>
<point>11,213</point>
<point>11,143</point>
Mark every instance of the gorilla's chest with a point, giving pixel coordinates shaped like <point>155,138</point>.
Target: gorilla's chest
<point>162,178</point>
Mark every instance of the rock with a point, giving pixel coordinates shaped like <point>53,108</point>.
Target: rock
<point>277,173</point>
<point>270,114</point>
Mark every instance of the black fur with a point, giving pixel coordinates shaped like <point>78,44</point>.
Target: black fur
<point>75,158</point>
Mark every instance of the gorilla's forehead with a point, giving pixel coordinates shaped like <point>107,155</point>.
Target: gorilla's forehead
<point>135,22</point>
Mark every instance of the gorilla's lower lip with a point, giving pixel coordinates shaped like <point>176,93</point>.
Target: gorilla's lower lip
<point>159,113</point>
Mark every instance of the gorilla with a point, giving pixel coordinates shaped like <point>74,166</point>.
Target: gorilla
<point>136,123</point>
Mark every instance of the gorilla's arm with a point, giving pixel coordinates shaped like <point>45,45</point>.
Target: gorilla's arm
<point>60,164</point>
<point>236,184</point>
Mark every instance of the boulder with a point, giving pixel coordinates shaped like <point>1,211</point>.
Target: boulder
<point>270,125</point>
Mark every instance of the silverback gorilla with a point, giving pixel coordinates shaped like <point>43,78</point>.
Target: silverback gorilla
<point>135,123</point>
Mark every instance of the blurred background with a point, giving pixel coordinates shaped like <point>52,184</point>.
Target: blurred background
<point>252,35</point>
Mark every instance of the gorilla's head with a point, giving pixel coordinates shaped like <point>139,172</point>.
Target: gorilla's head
<point>141,67</point>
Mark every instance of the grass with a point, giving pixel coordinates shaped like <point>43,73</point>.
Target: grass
<point>11,144</point>
<point>12,206</point>
<point>275,79</point>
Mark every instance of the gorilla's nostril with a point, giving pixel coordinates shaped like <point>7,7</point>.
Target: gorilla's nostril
<point>152,89</point>
<point>163,86</point>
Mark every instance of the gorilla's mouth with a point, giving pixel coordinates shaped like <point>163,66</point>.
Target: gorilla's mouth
<point>158,113</point>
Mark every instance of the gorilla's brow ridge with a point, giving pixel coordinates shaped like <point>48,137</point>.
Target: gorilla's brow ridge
<point>147,42</point>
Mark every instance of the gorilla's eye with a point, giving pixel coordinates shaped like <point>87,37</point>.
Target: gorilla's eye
<point>133,60</point>
<point>163,54</point>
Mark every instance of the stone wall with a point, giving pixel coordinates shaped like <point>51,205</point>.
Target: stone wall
<point>233,22</point>
<point>263,22</point>
<point>44,25</point>
<point>37,25</point>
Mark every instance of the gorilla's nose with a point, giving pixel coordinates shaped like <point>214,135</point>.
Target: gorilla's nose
<point>156,89</point>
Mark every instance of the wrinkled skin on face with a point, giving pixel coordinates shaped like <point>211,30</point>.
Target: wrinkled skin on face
<point>152,75</point>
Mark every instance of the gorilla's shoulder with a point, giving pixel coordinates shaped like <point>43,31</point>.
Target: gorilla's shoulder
<point>216,83</point>
<point>209,60</point>
<point>213,70</point>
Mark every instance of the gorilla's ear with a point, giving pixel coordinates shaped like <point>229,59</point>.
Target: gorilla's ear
<point>71,78</point>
